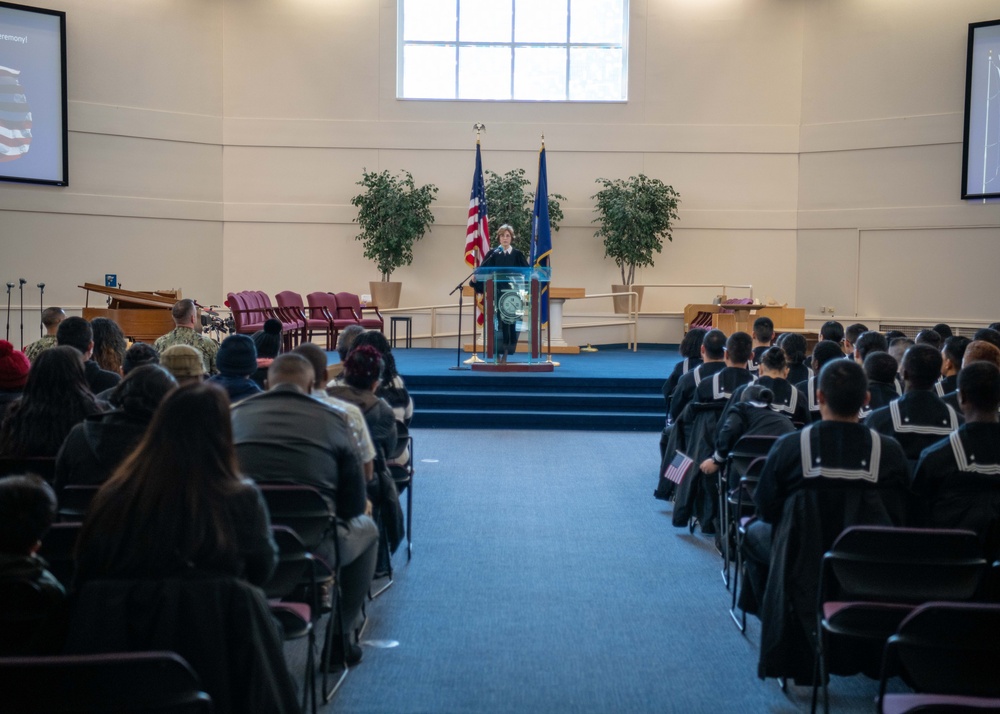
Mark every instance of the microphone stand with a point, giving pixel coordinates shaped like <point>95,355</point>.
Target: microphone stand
<point>10,286</point>
<point>41,307</point>
<point>22,281</point>
<point>458,347</point>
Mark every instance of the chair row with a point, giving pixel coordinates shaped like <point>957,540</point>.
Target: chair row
<point>326,313</point>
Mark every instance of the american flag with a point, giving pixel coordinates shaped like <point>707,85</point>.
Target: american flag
<point>15,116</point>
<point>477,234</point>
<point>679,468</point>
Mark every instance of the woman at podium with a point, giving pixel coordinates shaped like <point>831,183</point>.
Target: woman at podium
<point>504,256</point>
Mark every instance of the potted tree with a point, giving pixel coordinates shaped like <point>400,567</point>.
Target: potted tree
<point>510,203</point>
<point>393,214</point>
<point>634,217</point>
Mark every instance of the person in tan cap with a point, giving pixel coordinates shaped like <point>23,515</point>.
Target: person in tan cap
<point>185,363</point>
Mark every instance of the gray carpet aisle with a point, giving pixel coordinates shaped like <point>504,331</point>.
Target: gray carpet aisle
<point>545,578</point>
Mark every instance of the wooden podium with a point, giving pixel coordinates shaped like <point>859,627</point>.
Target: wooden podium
<point>142,316</point>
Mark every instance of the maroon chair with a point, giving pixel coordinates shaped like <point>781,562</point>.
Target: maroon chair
<point>293,329</point>
<point>245,321</point>
<point>325,305</point>
<point>290,303</point>
<point>349,305</point>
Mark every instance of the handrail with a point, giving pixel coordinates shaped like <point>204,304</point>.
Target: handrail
<point>632,320</point>
<point>722,286</point>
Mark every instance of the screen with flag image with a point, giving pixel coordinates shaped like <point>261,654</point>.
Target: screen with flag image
<point>981,157</point>
<point>33,95</point>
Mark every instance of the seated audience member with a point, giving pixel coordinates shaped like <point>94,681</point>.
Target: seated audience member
<point>185,363</point>
<point>713,356</point>
<point>345,342</point>
<point>987,334</point>
<point>898,347</point>
<point>362,375</point>
<point>177,503</point>
<point>135,356</point>
<point>268,344</point>
<point>881,368</point>
<point>752,415</point>
<point>690,350</point>
<point>355,419</point>
<point>236,361</point>
<point>51,317</point>
<point>951,362</point>
<point>868,342</point>
<point>958,478</point>
<point>763,336</point>
<point>851,335</point>
<point>95,447</point>
<point>785,398</point>
<point>918,418</point>
<point>929,337</point>
<point>832,474</point>
<point>286,435</point>
<point>944,330</point>
<point>187,331</point>
<point>55,399</point>
<point>27,509</point>
<point>14,368</point>
<point>823,352</point>
<point>831,330</point>
<point>109,344</point>
<point>891,335</point>
<point>794,346</point>
<point>977,351</point>
<point>76,332</point>
<point>391,388</point>
<point>722,384</point>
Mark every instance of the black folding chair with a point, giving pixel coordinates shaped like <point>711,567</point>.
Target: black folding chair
<point>872,578</point>
<point>121,682</point>
<point>948,653</point>
<point>747,450</point>
<point>740,507</point>
<point>402,474</point>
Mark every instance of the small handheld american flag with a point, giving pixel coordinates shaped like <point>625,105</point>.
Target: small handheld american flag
<point>679,468</point>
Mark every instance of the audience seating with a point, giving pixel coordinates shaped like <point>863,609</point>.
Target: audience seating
<point>120,682</point>
<point>252,308</point>
<point>291,303</point>
<point>740,508</point>
<point>304,510</point>
<point>349,305</point>
<point>948,653</point>
<point>74,500</point>
<point>295,563</point>
<point>324,305</point>
<point>745,452</point>
<point>872,577</point>
<point>402,474</point>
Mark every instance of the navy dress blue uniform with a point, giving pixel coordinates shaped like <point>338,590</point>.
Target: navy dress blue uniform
<point>916,420</point>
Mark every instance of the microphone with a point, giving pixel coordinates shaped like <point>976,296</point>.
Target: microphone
<point>40,286</point>
<point>10,285</point>
<point>21,281</point>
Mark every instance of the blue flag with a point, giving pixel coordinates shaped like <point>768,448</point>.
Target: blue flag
<point>541,234</point>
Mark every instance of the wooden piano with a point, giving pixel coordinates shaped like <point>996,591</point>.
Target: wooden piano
<point>143,316</point>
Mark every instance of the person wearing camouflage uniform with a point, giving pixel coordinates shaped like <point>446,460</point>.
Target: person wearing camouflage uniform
<point>51,317</point>
<point>185,316</point>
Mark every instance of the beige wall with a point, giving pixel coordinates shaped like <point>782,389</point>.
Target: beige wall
<point>215,145</point>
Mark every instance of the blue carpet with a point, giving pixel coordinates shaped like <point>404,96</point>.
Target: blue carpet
<point>545,578</point>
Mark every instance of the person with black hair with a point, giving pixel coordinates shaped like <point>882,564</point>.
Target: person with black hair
<point>795,347</point>
<point>55,399</point>
<point>918,418</point>
<point>834,453</point>
<point>785,398</point>
<point>929,337</point>
<point>763,336</point>
<point>690,350</point>
<point>867,343</point>
<point>750,413</point>
<point>77,332</point>
<point>135,356</point>
<point>236,361</point>
<point>95,447</point>
<point>891,335</point>
<point>713,355</point>
<point>832,331</point>
<point>722,384</point>
<point>851,335</point>
<point>881,369</point>
<point>951,363</point>
<point>345,343</point>
<point>988,334</point>
<point>824,352</point>
<point>110,344</point>
<point>898,347</point>
<point>391,387</point>
<point>27,510</point>
<point>958,478</point>
<point>268,345</point>
<point>944,330</point>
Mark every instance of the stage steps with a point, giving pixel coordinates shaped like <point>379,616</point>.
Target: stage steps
<point>536,401</point>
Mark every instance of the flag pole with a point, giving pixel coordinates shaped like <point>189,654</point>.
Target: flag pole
<point>479,128</point>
